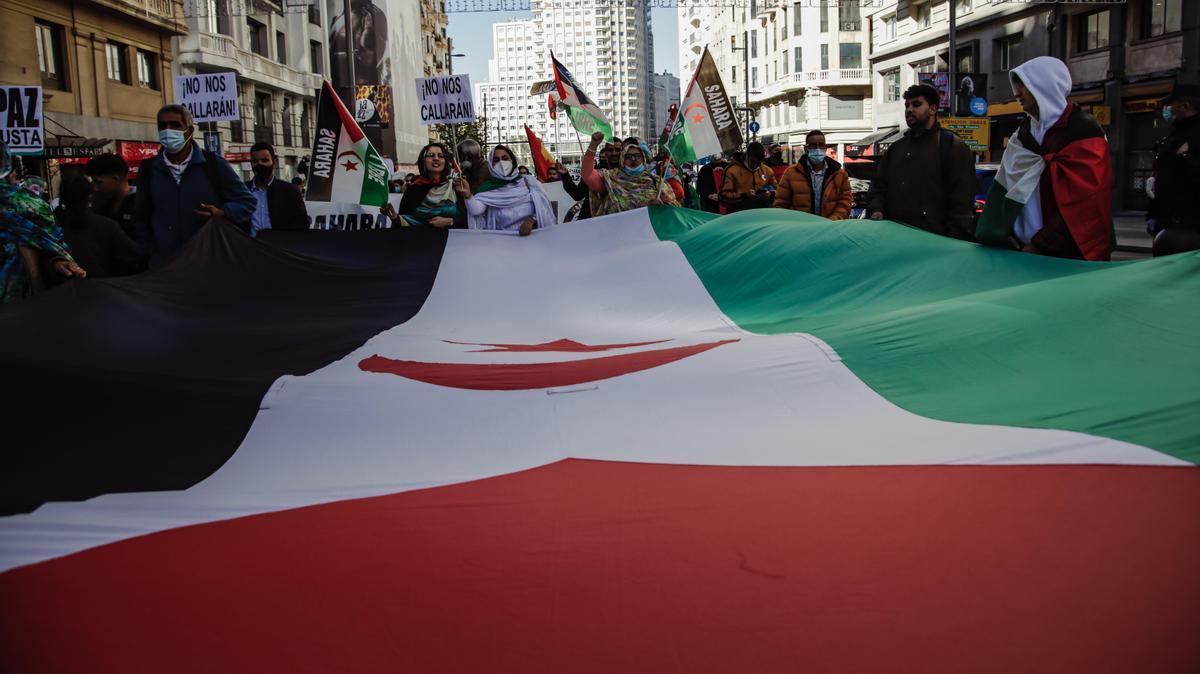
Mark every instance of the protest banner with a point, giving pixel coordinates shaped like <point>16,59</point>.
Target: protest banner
<point>445,99</point>
<point>21,119</point>
<point>211,97</point>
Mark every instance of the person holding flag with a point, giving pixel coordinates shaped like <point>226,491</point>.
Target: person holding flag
<point>629,187</point>
<point>431,200</point>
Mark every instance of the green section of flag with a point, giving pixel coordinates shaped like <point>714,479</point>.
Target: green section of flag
<point>680,145</point>
<point>995,226</point>
<point>375,182</point>
<point>586,123</point>
<point>960,332</point>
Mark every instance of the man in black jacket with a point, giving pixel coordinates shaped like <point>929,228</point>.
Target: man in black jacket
<point>1174,213</point>
<point>280,205</point>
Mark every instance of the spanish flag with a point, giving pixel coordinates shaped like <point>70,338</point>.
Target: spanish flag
<point>542,159</point>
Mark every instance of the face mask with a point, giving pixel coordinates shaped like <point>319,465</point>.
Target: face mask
<point>634,170</point>
<point>1167,113</point>
<point>262,172</point>
<point>816,156</point>
<point>504,166</point>
<point>172,140</point>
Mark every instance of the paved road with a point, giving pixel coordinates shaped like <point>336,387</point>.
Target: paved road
<point>1132,240</point>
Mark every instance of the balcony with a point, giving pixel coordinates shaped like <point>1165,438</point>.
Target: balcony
<point>212,51</point>
<point>163,14</point>
<point>814,78</point>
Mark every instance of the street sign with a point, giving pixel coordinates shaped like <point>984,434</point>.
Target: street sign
<point>975,131</point>
<point>21,120</point>
<point>754,127</point>
<point>978,106</point>
<point>211,97</point>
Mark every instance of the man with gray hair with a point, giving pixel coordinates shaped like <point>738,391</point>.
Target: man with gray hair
<point>183,188</point>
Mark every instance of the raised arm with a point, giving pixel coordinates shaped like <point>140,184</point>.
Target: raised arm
<point>590,176</point>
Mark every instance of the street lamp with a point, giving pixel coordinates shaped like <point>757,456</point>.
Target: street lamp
<point>745,49</point>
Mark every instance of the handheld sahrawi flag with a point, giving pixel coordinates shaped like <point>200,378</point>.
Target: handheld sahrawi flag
<point>345,167</point>
<point>586,116</point>
<point>705,124</point>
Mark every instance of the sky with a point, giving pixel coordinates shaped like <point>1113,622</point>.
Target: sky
<point>472,36</point>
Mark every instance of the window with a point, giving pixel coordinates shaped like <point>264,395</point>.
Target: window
<point>846,106</point>
<point>49,38</point>
<point>147,74</point>
<point>305,123</point>
<point>281,54</point>
<point>891,85</point>
<point>796,18</point>
<point>926,66</point>
<point>962,7</point>
<point>798,60</point>
<point>783,26</point>
<point>258,38</point>
<point>1011,52</point>
<point>287,121</point>
<point>785,62</point>
<point>824,57</point>
<point>263,130</point>
<point>118,63</point>
<point>824,16</point>
<point>315,57</point>
<point>850,55</point>
<point>889,27</point>
<point>217,17</point>
<point>921,14</point>
<point>1093,31</point>
<point>753,77</point>
<point>849,18</point>
<point>966,60</point>
<point>754,44</point>
<point>1160,17</point>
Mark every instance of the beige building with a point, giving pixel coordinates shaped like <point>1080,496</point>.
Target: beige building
<point>104,65</point>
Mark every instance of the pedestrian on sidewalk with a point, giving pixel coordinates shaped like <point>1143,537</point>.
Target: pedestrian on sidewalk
<point>1174,214</point>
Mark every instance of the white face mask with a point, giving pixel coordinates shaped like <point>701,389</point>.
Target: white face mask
<point>504,167</point>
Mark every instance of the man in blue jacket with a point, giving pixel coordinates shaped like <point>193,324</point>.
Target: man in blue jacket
<point>183,188</point>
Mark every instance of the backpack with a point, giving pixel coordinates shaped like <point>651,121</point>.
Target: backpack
<point>210,172</point>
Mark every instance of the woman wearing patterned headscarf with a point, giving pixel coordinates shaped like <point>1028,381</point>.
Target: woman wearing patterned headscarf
<point>506,201</point>
<point>430,201</point>
<point>631,186</point>
<point>27,229</point>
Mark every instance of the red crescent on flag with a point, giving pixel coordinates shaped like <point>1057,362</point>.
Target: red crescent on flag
<point>559,345</point>
<point>700,117</point>
<point>525,376</point>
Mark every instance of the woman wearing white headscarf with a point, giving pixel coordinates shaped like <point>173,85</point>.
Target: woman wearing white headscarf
<point>506,201</point>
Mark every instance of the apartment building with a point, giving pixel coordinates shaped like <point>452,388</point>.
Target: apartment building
<point>792,66</point>
<point>105,68</point>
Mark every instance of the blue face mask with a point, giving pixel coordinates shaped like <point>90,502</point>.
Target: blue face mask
<point>634,170</point>
<point>816,156</point>
<point>1167,113</point>
<point>172,141</point>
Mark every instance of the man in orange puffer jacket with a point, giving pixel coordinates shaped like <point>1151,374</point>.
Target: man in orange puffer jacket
<point>816,184</point>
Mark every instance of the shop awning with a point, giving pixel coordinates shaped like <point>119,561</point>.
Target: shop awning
<point>866,147</point>
<point>1000,109</point>
<point>74,147</point>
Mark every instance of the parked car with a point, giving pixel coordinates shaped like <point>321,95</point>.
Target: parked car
<point>985,174</point>
<point>861,175</point>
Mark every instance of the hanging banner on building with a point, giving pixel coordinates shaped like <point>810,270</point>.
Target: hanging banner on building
<point>211,97</point>
<point>445,99</point>
<point>975,131</point>
<point>373,106</point>
<point>941,82</point>
<point>968,87</point>
<point>21,120</point>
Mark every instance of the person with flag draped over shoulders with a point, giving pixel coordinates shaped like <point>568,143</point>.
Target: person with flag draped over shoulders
<point>508,200</point>
<point>1053,192</point>
<point>629,187</point>
<point>27,230</point>
<point>431,200</point>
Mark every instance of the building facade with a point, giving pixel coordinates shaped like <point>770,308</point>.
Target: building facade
<point>607,47</point>
<point>105,68</point>
<point>791,66</point>
<point>666,94</point>
<point>1123,58</point>
<point>280,54</point>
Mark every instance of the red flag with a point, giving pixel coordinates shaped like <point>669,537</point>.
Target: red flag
<point>552,104</point>
<point>542,160</point>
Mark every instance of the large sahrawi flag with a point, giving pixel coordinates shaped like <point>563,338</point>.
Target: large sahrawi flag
<point>586,116</point>
<point>345,167</point>
<point>707,446</point>
<point>705,124</point>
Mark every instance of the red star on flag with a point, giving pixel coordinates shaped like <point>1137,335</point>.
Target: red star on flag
<point>698,117</point>
<point>350,166</point>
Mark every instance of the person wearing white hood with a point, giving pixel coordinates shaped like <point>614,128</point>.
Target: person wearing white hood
<point>507,200</point>
<point>1053,193</point>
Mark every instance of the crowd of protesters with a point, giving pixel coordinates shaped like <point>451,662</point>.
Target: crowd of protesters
<point>105,226</point>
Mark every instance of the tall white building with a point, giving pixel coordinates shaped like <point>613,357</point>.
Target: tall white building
<point>609,50</point>
<point>666,94</point>
<point>804,66</point>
